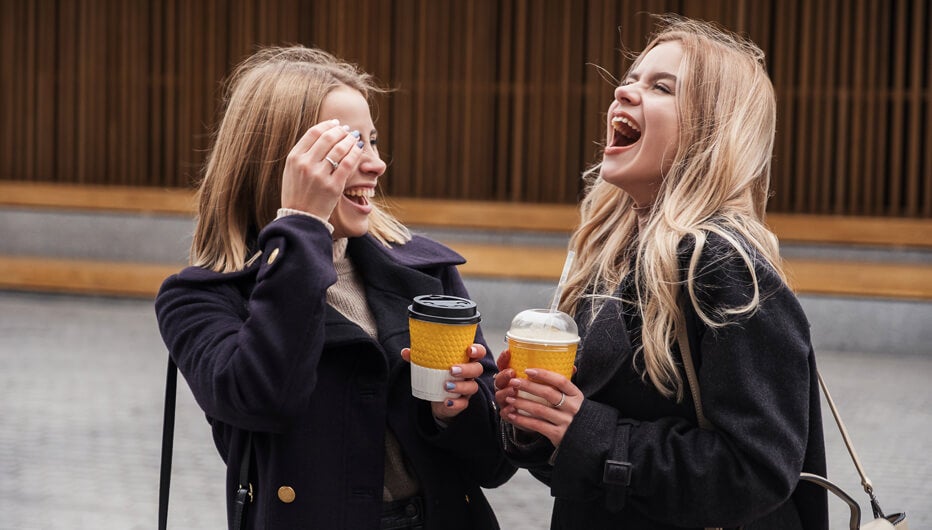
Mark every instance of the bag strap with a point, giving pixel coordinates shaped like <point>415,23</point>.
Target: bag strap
<point>683,339</point>
<point>168,434</point>
<point>865,482</point>
<point>244,490</point>
<point>686,352</point>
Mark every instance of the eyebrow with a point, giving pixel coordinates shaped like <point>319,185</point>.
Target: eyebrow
<point>636,76</point>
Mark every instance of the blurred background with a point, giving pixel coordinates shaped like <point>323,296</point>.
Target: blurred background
<point>496,107</point>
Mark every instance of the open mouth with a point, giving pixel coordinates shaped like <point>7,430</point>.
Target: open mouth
<point>625,131</point>
<point>359,195</point>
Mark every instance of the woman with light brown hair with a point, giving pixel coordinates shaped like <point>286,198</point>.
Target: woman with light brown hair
<point>290,325</point>
<point>673,243</point>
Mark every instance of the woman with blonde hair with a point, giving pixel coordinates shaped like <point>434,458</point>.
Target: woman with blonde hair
<point>290,325</point>
<point>673,256</point>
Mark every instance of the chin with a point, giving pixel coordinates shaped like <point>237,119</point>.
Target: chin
<point>350,231</point>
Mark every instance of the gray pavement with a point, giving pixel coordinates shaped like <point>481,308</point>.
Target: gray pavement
<point>81,393</point>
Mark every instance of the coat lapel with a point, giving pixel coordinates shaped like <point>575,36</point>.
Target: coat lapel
<point>393,277</point>
<point>605,346</point>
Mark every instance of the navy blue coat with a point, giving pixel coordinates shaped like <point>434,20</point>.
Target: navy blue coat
<point>263,352</point>
<point>635,459</point>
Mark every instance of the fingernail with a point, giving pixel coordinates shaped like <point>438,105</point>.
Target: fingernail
<point>510,400</point>
<point>449,385</point>
<point>355,134</point>
<point>449,402</point>
<point>359,144</point>
<point>335,122</point>
<point>346,128</point>
<point>456,370</point>
<point>531,372</point>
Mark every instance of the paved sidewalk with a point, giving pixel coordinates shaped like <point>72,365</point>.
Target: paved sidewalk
<point>81,395</point>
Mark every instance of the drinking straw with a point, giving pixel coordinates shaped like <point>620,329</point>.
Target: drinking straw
<point>566,272</point>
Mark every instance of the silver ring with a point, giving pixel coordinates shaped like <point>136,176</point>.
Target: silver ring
<point>332,163</point>
<point>562,400</point>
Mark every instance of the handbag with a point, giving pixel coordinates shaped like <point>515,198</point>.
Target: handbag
<point>881,521</point>
<point>244,488</point>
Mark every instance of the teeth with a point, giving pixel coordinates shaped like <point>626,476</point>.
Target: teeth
<point>621,119</point>
<point>360,192</point>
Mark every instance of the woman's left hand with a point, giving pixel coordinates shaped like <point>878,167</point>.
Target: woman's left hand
<point>469,371</point>
<point>563,400</point>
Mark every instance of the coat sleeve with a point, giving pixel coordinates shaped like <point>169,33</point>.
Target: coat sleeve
<point>254,369</point>
<point>754,379</point>
<point>473,434</point>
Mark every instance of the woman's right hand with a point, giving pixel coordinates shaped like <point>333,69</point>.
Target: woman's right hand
<point>310,183</point>
<point>503,389</point>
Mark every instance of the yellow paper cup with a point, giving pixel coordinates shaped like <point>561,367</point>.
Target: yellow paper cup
<point>442,328</point>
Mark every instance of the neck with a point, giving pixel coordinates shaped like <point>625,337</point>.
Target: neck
<point>643,213</point>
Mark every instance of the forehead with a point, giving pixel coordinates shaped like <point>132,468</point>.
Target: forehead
<point>664,57</point>
<point>347,105</point>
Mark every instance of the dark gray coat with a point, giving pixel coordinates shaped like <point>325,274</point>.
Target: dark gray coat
<point>634,459</point>
<point>263,352</point>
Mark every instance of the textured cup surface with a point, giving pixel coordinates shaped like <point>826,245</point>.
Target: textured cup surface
<point>439,346</point>
<point>557,358</point>
<point>540,338</point>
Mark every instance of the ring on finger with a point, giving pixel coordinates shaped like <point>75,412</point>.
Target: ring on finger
<point>562,400</point>
<point>332,163</point>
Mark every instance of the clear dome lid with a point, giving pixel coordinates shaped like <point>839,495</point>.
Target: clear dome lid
<point>544,327</point>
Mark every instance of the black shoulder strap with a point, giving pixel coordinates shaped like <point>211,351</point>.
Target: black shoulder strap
<point>243,493</point>
<point>168,433</point>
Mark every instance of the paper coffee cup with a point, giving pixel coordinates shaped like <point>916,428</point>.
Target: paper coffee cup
<point>442,328</point>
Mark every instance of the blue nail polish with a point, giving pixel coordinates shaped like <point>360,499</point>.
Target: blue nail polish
<point>359,144</point>
<point>449,402</point>
<point>449,385</point>
<point>355,134</point>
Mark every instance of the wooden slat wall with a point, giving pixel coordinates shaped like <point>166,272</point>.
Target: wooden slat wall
<point>494,100</point>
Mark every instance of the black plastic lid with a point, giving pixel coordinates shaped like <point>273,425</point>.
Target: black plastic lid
<point>444,309</point>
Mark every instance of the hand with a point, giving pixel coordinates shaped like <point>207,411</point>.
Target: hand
<point>310,183</point>
<point>561,401</point>
<point>468,372</point>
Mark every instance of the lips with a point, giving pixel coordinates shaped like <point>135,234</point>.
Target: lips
<point>625,131</point>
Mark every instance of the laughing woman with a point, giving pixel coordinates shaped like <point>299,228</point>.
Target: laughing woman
<point>673,242</point>
<point>289,325</point>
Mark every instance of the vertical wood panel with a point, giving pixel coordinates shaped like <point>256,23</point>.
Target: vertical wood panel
<point>8,35</point>
<point>495,100</point>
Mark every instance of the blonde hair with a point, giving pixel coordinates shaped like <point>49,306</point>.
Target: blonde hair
<point>718,183</point>
<point>271,99</point>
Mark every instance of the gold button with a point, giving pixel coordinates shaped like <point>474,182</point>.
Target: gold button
<point>286,494</point>
<point>273,255</point>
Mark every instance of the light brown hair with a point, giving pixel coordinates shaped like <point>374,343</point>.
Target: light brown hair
<point>270,100</point>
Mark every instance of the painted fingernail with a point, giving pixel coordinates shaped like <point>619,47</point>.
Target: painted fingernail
<point>346,128</point>
<point>355,134</point>
<point>359,144</point>
<point>335,122</point>
<point>456,370</point>
<point>449,385</point>
<point>449,402</point>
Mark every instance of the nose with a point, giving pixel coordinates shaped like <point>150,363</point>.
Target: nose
<point>372,164</point>
<point>628,94</point>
